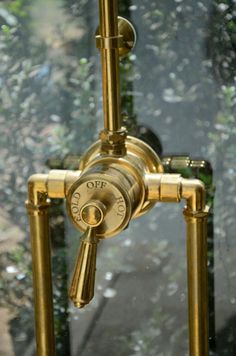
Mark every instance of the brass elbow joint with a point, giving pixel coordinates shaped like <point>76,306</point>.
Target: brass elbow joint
<point>193,190</point>
<point>55,184</point>
<point>37,189</point>
<point>173,188</point>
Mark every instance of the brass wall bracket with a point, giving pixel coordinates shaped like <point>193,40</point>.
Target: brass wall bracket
<point>124,42</point>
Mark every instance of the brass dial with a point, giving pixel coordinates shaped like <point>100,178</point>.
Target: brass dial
<point>100,200</point>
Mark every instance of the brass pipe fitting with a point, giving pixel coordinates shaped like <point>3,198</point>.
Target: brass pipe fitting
<point>37,189</point>
<point>172,188</point>
<point>55,184</point>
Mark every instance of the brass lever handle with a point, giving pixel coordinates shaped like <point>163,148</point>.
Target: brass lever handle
<point>82,285</point>
<point>83,280</point>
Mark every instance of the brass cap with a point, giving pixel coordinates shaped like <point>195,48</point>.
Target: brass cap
<point>93,213</point>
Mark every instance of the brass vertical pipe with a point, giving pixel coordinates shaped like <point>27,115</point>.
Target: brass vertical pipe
<point>173,188</point>
<point>200,169</point>
<point>37,206</point>
<point>197,283</point>
<point>108,31</point>
<point>196,215</point>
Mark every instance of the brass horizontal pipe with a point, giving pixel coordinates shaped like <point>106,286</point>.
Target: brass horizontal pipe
<point>170,187</point>
<point>55,184</point>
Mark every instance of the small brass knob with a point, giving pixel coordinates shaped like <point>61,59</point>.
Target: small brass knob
<point>93,213</point>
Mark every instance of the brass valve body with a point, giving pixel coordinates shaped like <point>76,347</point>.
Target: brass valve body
<point>116,183</point>
<point>114,201</point>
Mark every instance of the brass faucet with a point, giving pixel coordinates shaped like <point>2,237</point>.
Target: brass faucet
<point>119,178</point>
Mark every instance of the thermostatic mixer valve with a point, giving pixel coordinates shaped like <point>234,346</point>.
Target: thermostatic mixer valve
<point>118,179</point>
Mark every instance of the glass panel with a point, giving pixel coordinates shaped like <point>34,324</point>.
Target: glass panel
<point>178,89</point>
<point>48,110</point>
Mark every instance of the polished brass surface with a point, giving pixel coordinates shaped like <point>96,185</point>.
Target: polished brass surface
<point>82,285</point>
<point>120,178</point>
<point>37,206</point>
<point>108,28</point>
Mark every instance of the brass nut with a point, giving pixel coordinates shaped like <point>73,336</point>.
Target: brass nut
<point>113,137</point>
